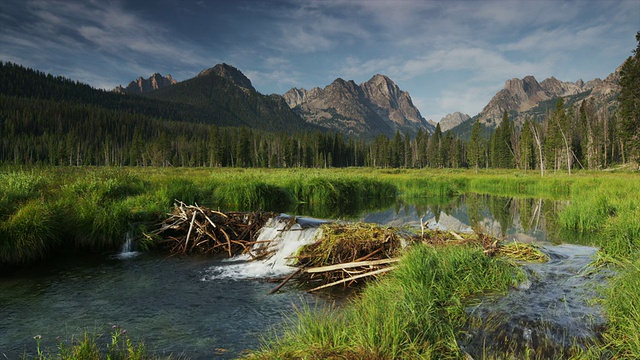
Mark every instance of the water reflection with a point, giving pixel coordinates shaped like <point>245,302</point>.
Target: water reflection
<point>547,314</point>
<point>521,219</point>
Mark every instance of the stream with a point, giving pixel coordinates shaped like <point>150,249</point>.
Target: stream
<point>215,308</point>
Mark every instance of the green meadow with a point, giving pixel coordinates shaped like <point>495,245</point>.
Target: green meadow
<point>415,312</point>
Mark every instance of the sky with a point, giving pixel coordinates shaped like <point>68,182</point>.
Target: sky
<point>448,55</point>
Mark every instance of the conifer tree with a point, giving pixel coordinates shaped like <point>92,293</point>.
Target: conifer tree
<point>474,149</point>
<point>629,100</point>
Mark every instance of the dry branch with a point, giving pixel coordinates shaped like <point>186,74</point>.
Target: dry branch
<point>195,229</point>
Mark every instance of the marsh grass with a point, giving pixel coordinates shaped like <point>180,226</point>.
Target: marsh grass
<point>90,209</point>
<point>344,190</point>
<point>342,243</point>
<point>117,345</point>
<point>518,251</point>
<point>18,187</point>
<point>28,234</point>
<point>622,338</point>
<point>253,195</point>
<point>606,210</point>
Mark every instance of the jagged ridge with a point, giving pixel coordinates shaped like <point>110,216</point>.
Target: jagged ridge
<point>374,107</point>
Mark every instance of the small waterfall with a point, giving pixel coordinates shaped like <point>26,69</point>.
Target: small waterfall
<point>284,240</point>
<point>127,249</point>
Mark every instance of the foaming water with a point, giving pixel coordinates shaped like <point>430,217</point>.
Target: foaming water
<point>281,237</point>
<point>127,251</point>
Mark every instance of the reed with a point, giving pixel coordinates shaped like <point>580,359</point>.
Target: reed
<point>19,186</point>
<point>116,345</point>
<point>346,191</point>
<point>170,189</point>
<point>607,209</point>
<point>622,337</point>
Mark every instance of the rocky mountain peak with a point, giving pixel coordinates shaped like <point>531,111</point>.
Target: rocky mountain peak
<point>452,120</point>
<point>377,106</point>
<point>141,85</point>
<point>295,97</point>
<point>230,73</point>
<point>518,94</point>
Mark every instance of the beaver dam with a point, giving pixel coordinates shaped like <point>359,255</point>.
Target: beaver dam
<point>317,254</point>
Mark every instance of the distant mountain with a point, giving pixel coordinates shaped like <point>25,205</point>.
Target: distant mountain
<point>527,98</point>
<point>140,86</point>
<point>375,107</point>
<point>227,98</point>
<point>452,120</point>
<point>230,73</point>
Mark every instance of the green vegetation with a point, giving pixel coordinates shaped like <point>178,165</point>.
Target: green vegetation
<point>47,210</point>
<point>208,121</point>
<point>115,346</point>
<point>414,313</point>
<point>44,211</point>
<point>630,103</point>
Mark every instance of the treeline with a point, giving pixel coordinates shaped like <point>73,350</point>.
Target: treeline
<point>568,138</point>
<point>52,132</point>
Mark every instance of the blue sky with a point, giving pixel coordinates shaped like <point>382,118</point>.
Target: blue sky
<point>449,55</point>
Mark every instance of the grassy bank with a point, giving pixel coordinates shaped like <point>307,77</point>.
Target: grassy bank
<point>44,211</point>
<point>390,321</point>
<point>413,313</point>
<point>607,211</point>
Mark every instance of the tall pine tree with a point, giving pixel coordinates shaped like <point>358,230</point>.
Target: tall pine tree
<point>629,99</point>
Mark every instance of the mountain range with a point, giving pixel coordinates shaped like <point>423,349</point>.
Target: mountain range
<point>528,98</point>
<point>374,107</point>
<point>377,106</point>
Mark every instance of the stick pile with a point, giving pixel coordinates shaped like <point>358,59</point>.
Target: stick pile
<point>191,229</point>
<point>348,253</point>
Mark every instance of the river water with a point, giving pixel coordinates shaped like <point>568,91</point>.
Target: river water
<point>213,308</point>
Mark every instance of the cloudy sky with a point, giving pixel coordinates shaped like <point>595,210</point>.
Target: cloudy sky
<point>449,55</point>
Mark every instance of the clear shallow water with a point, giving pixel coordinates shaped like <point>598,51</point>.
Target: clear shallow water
<point>209,308</point>
<point>161,300</point>
<point>550,311</point>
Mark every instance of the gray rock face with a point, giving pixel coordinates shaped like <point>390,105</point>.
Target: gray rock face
<point>375,107</point>
<point>452,120</point>
<point>140,86</point>
<point>523,95</point>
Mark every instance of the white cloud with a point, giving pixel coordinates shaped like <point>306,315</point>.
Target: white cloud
<point>100,28</point>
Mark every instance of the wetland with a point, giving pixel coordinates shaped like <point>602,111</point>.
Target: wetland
<point>70,226</point>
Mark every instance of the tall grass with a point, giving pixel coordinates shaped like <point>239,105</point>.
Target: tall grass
<point>416,312</point>
<point>91,209</point>
<point>19,186</point>
<point>622,338</point>
<point>253,195</point>
<point>29,234</point>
